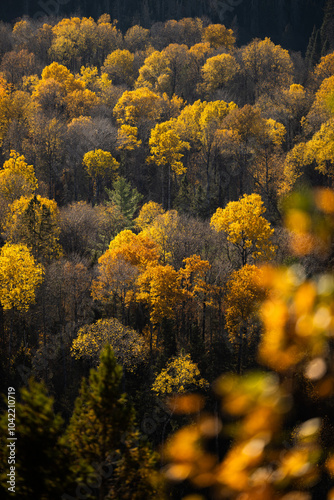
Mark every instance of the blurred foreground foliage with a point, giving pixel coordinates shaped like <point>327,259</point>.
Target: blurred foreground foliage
<point>272,435</point>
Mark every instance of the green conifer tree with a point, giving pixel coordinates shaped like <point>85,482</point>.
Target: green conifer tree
<point>125,197</point>
<point>102,436</point>
<point>314,49</point>
<point>42,461</point>
<point>183,200</point>
<point>327,28</point>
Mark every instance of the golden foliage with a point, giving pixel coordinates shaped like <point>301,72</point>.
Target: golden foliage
<point>129,347</point>
<point>119,267</point>
<point>246,229</point>
<point>136,105</point>
<point>20,275</point>
<point>166,146</point>
<point>161,230</point>
<point>35,222</point>
<point>158,287</point>
<point>217,35</point>
<point>180,375</point>
<point>267,65</point>
<point>148,213</point>
<point>127,138</point>
<point>218,71</point>
<point>17,178</point>
<point>100,163</point>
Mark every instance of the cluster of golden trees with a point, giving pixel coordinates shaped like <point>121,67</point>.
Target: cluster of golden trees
<point>181,112</point>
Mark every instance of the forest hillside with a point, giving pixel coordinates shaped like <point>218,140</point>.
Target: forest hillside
<point>166,252</point>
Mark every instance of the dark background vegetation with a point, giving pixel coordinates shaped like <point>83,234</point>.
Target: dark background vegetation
<point>287,22</point>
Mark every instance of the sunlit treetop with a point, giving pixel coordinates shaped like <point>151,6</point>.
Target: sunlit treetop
<point>180,375</point>
<point>136,105</point>
<point>158,287</point>
<point>218,36</point>
<point>246,228</point>
<point>244,293</point>
<point>17,178</point>
<point>325,93</point>
<point>267,65</point>
<point>100,163</point>
<point>318,151</point>
<point>200,51</point>
<point>127,138</point>
<point>119,66</point>
<point>167,148</point>
<point>218,71</point>
<point>138,250</point>
<point>20,275</point>
<point>62,75</point>
<point>192,277</point>
<point>35,221</point>
<point>161,231</point>
<point>155,73</point>
<point>325,68</point>
<point>129,347</point>
<point>148,213</point>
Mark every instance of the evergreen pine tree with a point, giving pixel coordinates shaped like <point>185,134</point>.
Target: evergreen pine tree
<point>125,197</point>
<point>327,28</point>
<point>182,200</point>
<point>101,434</point>
<point>42,461</point>
<point>312,55</point>
<point>199,205</point>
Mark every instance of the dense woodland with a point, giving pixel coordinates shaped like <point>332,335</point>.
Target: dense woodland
<point>146,175</point>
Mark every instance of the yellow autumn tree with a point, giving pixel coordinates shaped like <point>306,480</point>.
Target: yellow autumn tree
<point>80,103</point>
<point>322,107</point>
<point>296,159</point>
<point>217,35</point>
<point>119,267</point>
<point>147,214</point>
<point>119,66</point>
<point>62,75</point>
<point>199,124</point>
<point>35,222</point>
<point>161,230</point>
<point>17,178</point>
<point>158,287</point>
<point>100,165</point>
<point>319,150</point>
<point>180,375</point>
<point>20,275</point>
<point>129,346</point>
<point>127,138</point>
<point>166,151</point>
<point>155,73</point>
<point>247,230</point>
<point>138,105</point>
<point>138,249</point>
<point>59,85</point>
<point>267,170</point>
<point>266,66</point>
<point>217,72</point>
<point>197,292</point>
